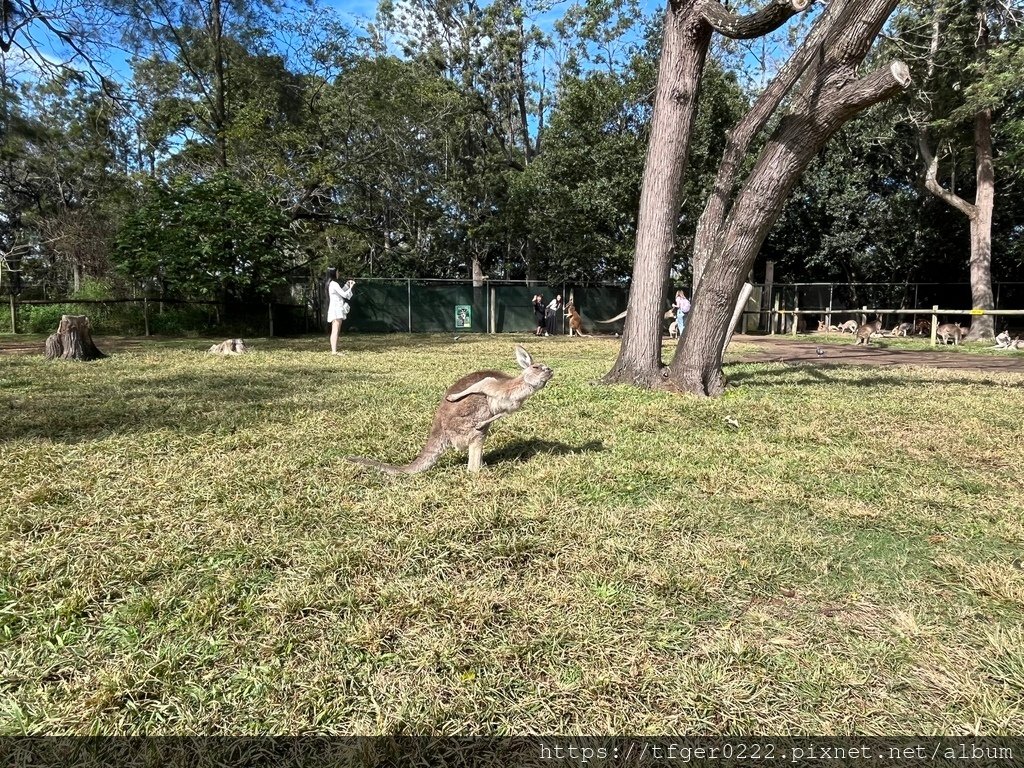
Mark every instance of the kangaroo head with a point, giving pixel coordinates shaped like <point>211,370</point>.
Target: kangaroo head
<point>534,374</point>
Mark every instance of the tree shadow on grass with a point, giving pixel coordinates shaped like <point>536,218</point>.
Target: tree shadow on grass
<point>761,375</point>
<point>524,450</point>
<point>70,409</point>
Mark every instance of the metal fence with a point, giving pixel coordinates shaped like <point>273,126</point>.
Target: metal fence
<point>412,305</point>
<point>379,305</point>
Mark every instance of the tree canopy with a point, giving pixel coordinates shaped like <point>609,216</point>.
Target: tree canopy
<point>446,138</point>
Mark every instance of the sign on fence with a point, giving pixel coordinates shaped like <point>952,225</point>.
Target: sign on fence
<point>463,316</point>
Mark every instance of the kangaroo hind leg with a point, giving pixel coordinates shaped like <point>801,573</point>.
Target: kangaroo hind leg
<point>476,454</point>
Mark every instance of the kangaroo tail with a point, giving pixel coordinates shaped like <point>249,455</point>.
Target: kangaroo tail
<point>612,320</point>
<point>425,460</point>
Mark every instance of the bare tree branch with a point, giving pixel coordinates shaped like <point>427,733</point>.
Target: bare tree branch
<point>752,25</point>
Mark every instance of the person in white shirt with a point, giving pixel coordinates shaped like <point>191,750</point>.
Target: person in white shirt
<point>338,305</point>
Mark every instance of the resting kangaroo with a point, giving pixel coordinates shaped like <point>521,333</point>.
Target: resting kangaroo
<point>468,409</point>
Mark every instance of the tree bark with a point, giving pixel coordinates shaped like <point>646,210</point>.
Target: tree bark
<point>73,340</point>
<point>828,97</point>
<point>982,326</point>
<point>687,35</point>
<point>684,48</point>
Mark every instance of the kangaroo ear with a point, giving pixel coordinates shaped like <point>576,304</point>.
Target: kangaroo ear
<point>523,357</point>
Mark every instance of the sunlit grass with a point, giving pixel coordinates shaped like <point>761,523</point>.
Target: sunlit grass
<point>185,548</point>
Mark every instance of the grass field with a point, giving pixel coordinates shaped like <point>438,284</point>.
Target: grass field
<point>185,549</point>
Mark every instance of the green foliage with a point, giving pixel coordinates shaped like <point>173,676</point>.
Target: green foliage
<point>215,238</point>
<point>95,288</point>
<point>42,318</point>
<point>579,199</point>
<point>180,321</point>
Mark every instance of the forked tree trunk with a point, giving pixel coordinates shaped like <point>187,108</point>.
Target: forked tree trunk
<point>829,96</point>
<point>688,29</point>
<point>73,340</point>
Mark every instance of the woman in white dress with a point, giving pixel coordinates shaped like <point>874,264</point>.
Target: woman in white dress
<point>337,308</point>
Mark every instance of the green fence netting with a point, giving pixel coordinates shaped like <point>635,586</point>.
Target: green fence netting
<point>420,306</point>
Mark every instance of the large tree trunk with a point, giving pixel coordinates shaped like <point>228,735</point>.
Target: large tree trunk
<point>684,48</point>
<point>73,340</point>
<point>830,96</point>
<point>688,29</point>
<point>220,86</point>
<point>982,326</point>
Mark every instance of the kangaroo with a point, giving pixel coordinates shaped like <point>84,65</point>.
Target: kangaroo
<point>948,331</point>
<point>850,326</point>
<point>575,321</point>
<point>824,327</point>
<point>865,332</point>
<point>468,409</point>
<point>902,329</point>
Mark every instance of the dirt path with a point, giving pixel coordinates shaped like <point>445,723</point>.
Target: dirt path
<point>786,349</point>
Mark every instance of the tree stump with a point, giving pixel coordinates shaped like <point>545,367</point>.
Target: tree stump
<point>73,340</point>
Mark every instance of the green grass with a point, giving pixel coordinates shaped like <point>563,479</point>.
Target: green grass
<point>185,549</point>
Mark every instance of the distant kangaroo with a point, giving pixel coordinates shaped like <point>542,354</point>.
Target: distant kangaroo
<point>948,331</point>
<point>575,321</point>
<point>865,332</point>
<point>850,326</point>
<point>468,409</point>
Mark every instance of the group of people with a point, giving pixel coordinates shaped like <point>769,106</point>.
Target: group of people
<point>340,300</point>
<point>546,315</point>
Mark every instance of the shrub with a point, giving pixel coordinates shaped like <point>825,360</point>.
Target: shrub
<point>188,321</point>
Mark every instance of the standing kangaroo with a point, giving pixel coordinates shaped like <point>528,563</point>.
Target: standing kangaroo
<point>575,321</point>
<point>953,331</point>
<point>468,409</point>
<point>866,331</point>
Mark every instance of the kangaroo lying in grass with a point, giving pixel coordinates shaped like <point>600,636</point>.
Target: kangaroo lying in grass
<point>468,409</point>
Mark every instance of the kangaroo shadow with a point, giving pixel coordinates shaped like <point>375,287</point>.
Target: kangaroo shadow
<point>524,450</point>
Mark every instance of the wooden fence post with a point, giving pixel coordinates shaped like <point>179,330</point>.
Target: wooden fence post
<point>145,314</point>
<point>935,323</point>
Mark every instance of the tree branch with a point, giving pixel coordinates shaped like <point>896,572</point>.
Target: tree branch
<point>931,179</point>
<point>756,24</point>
